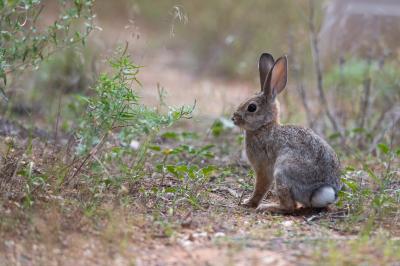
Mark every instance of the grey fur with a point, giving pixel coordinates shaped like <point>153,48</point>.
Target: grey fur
<point>297,159</point>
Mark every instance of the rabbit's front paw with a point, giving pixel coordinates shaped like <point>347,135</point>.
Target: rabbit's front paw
<point>250,203</point>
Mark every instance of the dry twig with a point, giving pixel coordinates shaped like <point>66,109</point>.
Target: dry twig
<point>318,70</point>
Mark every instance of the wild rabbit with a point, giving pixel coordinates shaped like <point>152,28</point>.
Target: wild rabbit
<point>305,168</point>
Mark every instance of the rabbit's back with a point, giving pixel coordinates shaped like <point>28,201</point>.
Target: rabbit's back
<point>306,146</point>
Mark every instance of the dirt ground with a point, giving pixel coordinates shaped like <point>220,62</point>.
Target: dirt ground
<point>222,234</point>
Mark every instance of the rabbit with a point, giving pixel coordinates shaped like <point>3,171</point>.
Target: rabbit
<point>304,167</point>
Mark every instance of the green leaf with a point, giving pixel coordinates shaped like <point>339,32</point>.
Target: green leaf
<point>170,135</point>
<point>171,190</point>
<point>208,170</point>
<point>372,175</point>
<point>154,147</point>
<point>190,135</point>
<point>349,168</point>
<point>194,202</point>
<point>383,148</point>
<point>217,128</point>
<point>334,136</point>
<point>182,168</point>
<point>358,130</point>
<point>116,149</point>
<point>159,167</point>
<point>206,148</point>
<point>351,184</point>
<point>172,170</point>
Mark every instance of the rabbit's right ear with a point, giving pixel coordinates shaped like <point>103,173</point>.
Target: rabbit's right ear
<point>277,78</point>
<point>265,64</point>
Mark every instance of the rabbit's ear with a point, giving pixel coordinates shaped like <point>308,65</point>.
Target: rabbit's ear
<point>277,78</point>
<point>264,66</point>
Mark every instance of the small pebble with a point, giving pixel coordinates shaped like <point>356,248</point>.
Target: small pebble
<point>287,223</point>
<point>134,144</point>
<point>219,234</point>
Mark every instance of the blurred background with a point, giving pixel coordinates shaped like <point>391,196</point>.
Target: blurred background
<point>343,59</point>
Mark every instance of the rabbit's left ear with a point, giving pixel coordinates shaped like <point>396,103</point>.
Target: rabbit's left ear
<point>265,65</point>
<point>277,78</point>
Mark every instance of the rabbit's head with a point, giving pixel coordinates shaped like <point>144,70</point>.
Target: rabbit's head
<point>263,108</point>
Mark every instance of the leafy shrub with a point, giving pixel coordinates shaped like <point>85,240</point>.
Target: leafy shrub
<point>116,119</point>
<point>116,106</point>
<point>24,43</point>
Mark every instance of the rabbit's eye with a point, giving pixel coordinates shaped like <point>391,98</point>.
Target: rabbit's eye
<point>252,107</point>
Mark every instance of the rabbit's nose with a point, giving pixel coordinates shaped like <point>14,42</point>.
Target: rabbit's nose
<point>235,117</point>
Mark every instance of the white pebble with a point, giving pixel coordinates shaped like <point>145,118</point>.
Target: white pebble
<point>134,144</point>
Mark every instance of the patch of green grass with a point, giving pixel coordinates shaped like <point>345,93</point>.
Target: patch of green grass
<point>369,196</point>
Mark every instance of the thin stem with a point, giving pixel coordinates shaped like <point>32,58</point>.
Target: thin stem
<point>318,69</point>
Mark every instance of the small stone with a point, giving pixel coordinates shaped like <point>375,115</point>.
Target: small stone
<point>199,235</point>
<point>219,234</point>
<point>134,144</point>
<point>185,242</point>
<point>287,223</point>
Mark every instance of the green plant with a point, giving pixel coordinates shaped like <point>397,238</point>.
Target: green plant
<point>33,182</point>
<point>220,126</point>
<point>368,195</point>
<point>116,107</point>
<point>116,117</point>
<point>184,164</point>
<point>24,43</point>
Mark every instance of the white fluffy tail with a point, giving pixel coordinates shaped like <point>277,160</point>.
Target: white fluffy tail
<point>323,196</point>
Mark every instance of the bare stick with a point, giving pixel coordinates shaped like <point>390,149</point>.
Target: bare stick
<point>366,98</point>
<point>318,70</point>
<point>58,119</point>
<point>88,156</point>
<point>380,119</point>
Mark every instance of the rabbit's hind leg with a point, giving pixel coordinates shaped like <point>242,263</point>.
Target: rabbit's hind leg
<point>287,204</point>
